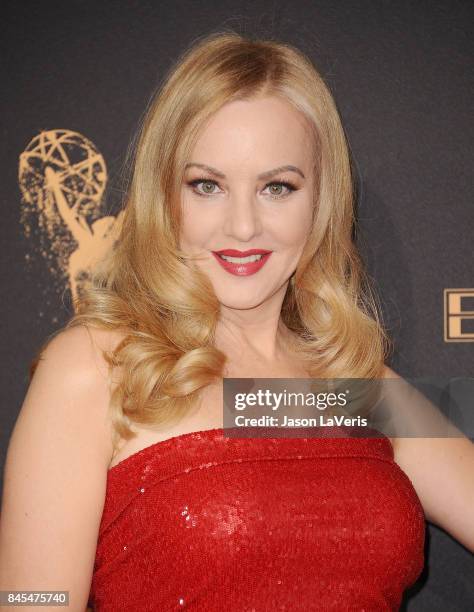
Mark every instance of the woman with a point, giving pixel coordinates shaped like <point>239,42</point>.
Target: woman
<point>120,485</point>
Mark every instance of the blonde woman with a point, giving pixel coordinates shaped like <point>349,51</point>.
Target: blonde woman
<point>235,260</point>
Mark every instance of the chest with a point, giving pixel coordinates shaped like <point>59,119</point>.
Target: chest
<point>208,412</point>
<point>338,520</point>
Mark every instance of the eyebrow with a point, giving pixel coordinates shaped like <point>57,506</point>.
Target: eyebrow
<point>263,175</point>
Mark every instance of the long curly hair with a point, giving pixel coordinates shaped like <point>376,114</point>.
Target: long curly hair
<point>165,308</point>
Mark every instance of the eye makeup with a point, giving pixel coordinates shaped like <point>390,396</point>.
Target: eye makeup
<point>288,185</point>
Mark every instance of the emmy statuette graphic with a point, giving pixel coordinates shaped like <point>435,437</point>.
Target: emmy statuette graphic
<point>62,177</point>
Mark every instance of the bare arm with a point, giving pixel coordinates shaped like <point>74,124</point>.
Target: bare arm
<point>442,472</point>
<point>55,474</point>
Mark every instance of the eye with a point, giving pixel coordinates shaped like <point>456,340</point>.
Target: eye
<point>209,184</point>
<point>280,194</point>
<point>204,181</point>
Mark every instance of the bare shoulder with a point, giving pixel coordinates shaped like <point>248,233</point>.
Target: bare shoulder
<point>389,373</point>
<point>87,344</point>
<point>56,469</point>
<point>439,468</point>
<point>78,353</point>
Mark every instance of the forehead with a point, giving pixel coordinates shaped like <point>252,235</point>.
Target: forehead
<point>267,130</point>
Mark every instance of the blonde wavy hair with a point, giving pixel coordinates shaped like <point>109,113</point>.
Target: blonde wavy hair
<point>166,308</point>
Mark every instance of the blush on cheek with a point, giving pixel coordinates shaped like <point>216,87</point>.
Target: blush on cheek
<point>293,233</point>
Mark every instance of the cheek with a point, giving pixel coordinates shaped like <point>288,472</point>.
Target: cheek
<point>196,225</point>
<point>191,234</point>
<point>294,228</point>
<point>189,230</point>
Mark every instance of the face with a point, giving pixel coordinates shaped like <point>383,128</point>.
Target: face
<point>248,186</point>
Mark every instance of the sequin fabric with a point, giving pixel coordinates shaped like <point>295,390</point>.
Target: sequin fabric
<point>207,523</point>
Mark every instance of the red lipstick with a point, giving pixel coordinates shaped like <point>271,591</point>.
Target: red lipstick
<point>242,268</point>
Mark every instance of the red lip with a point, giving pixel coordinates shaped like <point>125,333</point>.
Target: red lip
<point>235,253</point>
<point>242,269</point>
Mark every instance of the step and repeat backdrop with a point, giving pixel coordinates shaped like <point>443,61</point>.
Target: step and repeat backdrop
<point>76,79</point>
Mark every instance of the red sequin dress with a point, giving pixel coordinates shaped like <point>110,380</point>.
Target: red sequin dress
<point>207,522</point>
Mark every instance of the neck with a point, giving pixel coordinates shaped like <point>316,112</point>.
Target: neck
<point>242,334</point>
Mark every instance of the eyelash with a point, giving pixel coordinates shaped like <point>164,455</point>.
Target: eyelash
<point>289,186</point>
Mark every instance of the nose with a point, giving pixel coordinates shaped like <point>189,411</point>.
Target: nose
<point>242,220</point>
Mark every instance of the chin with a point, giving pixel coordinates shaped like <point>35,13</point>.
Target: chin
<point>242,302</point>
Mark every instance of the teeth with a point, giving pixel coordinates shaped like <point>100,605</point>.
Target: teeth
<point>242,260</point>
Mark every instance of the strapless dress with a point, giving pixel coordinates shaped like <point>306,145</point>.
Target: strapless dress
<point>207,522</point>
